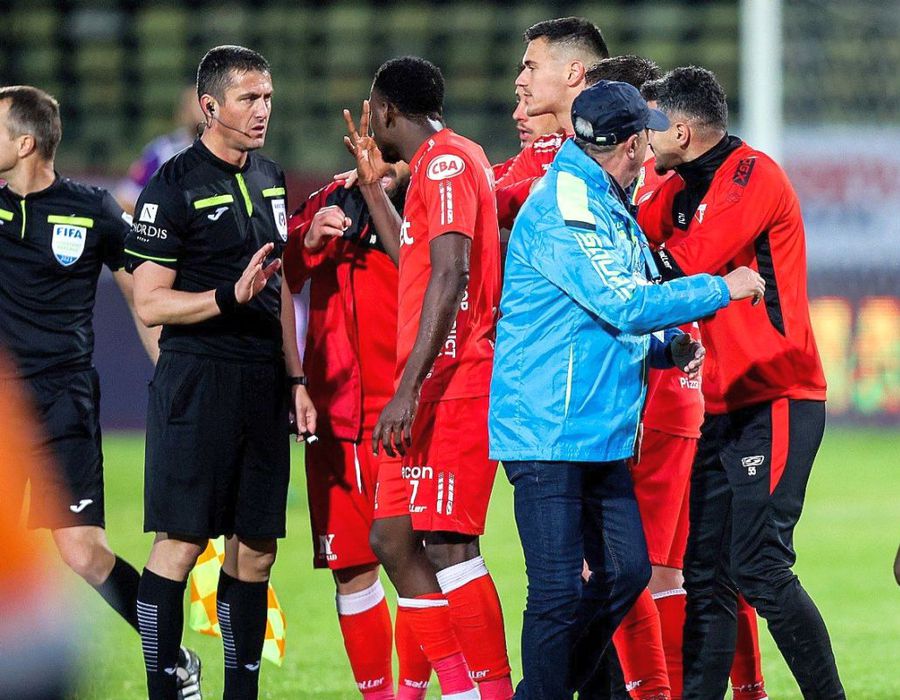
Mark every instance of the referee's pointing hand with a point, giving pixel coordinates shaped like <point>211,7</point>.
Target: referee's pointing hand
<point>256,275</point>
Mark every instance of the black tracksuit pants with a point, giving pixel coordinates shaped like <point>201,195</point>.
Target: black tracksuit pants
<point>747,490</point>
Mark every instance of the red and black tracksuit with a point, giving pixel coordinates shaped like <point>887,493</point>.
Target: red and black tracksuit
<point>764,390</point>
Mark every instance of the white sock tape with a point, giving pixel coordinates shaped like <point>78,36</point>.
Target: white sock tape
<point>355,603</point>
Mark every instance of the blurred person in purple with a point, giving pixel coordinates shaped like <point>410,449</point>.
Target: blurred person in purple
<point>189,120</point>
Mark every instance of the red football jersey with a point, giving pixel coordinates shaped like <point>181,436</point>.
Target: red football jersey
<point>674,403</point>
<point>521,171</point>
<point>350,344</point>
<point>451,190</point>
<point>748,215</point>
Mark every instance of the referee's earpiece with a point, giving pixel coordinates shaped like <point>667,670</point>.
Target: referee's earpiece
<point>211,109</point>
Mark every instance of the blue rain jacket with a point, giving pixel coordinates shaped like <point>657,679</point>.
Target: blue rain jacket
<point>577,313</point>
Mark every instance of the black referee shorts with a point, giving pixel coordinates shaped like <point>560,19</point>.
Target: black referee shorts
<point>218,449</point>
<point>69,491</point>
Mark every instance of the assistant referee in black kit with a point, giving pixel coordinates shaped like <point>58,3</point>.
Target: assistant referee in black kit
<point>56,235</point>
<point>205,248</point>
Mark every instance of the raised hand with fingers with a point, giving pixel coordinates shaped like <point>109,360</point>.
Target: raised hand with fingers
<point>256,275</point>
<point>370,166</point>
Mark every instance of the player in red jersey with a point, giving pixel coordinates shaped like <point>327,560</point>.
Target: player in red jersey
<point>349,362</point>
<point>557,56</point>
<point>448,250</point>
<point>528,128</point>
<point>763,386</point>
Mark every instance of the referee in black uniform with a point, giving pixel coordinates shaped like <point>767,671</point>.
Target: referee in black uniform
<point>205,248</point>
<point>55,237</point>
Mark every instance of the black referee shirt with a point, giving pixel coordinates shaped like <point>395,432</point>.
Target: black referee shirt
<point>52,246</point>
<point>205,219</point>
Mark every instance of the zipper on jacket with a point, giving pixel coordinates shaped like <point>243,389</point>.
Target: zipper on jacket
<point>569,379</point>
<point>637,426</point>
<point>23,218</point>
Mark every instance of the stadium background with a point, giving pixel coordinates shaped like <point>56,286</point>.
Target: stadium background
<point>117,68</point>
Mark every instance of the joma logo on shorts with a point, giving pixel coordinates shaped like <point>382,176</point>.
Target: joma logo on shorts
<point>417,473</point>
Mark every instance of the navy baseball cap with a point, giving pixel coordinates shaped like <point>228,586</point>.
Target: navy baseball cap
<point>609,112</point>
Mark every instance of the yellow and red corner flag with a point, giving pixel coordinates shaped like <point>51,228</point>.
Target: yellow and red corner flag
<point>204,581</point>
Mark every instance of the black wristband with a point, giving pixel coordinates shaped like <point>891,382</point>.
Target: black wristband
<point>225,298</point>
<point>297,381</point>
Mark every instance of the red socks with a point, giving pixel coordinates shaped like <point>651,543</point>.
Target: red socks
<point>366,626</point>
<point>429,620</point>
<point>639,644</point>
<point>478,621</point>
<point>415,670</point>
<point>670,605</point>
<point>746,671</point>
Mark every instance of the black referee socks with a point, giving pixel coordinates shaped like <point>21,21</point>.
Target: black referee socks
<point>120,590</point>
<point>160,615</point>
<point>242,609</point>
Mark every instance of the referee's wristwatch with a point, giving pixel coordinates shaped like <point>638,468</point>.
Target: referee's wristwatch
<point>298,381</point>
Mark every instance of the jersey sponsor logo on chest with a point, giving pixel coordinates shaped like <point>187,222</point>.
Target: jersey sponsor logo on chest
<point>67,243</point>
<point>405,238</point>
<point>148,213</point>
<point>280,214</point>
<point>445,166</point>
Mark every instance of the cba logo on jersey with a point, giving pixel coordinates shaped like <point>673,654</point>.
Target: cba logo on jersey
<point>445,166</point>
<point>68,243</point>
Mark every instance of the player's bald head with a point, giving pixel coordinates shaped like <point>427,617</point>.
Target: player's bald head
<point>573,37</point>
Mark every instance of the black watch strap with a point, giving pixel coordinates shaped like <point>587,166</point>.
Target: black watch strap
<point>298,381</point>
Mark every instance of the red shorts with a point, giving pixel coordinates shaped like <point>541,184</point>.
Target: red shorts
<point>444,483</point>
<point>662,485</point>
<point>340,483</point>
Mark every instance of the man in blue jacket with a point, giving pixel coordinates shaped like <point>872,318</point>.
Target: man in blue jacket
<point>578,309</point>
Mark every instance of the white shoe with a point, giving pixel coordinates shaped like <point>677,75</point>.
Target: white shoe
<point>188,673</point>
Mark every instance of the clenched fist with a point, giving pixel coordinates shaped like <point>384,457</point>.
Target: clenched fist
<point>743,283</point>
<point>329,222</point>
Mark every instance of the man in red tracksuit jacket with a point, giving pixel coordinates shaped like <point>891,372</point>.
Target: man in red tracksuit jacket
<point>349,362</point>
<point>648,641</point>
<point>763,386</point>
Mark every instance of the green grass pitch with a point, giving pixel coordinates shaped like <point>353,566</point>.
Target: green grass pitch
<point>846,541</point>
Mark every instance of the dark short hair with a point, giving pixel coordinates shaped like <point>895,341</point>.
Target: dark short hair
<point>575,32</point>
<point>413,85</point>
<point>692,91</point>
<point>33,111</point>
<point>214,74</point>
<point>631,69</point>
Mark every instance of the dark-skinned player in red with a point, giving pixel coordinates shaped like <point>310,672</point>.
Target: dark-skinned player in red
<point>448,251</point>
